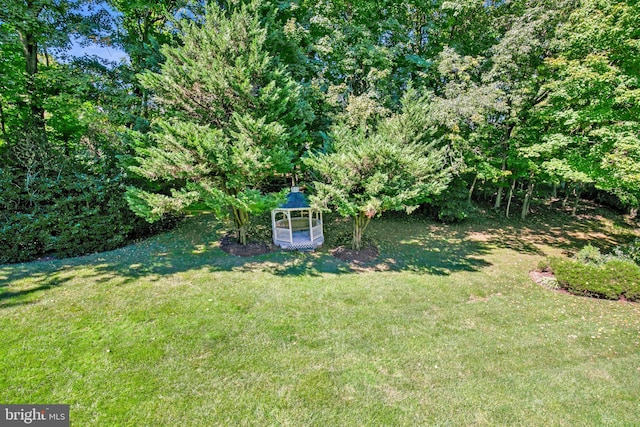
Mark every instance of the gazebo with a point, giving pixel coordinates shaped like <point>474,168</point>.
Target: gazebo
<point>295,224</point>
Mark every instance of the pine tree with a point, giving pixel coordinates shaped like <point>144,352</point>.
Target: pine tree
<point>237,121</point>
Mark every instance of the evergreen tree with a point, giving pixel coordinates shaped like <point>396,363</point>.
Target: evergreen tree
<point>370,171</point>
<point>237,121</point>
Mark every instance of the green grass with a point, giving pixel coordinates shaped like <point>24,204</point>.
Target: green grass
<point>446,328</point>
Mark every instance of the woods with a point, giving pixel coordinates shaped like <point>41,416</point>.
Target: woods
<point>374,106</point>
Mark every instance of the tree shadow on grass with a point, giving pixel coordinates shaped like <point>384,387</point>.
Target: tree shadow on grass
<point>194,245</point>
<point>550,226</point>
<point>39,281</point>
<point>438,258</point>
<point>405,244</point>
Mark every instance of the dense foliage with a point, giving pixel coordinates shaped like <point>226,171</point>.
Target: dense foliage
<point>523,99</point>
<point>237,121</point>
<point>369,171</point>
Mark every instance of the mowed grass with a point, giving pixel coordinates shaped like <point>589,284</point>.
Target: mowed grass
<point>446,328</point>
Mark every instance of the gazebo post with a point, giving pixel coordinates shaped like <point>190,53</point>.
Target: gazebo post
<point>274,231</point>
<point>290,228</point>
<point>310,224</point>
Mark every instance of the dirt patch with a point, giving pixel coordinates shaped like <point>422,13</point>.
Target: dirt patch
<point>231,246</point>
<point>362,256</point>
<point>540,276</point>
<point>478,236</point>
<point>547,280</point>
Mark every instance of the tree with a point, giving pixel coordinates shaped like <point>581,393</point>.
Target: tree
<point>592,102</point>
<point>141,28</point>
<point>237,119</point>
<point>369,172</point>
<point>487,101</point>
<point>65,196</point>
<point>40,26</point>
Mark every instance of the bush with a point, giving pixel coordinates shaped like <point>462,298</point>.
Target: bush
<point>613,279</point>
<point>630,250</point>
<point>549,283</point>
<point>73,215</point>
<point>544,265</point>
<point>590,255</point>
<point>451,206</point>
<point>22,237</point>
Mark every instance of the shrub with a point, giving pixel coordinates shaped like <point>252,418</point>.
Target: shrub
<point>73,215</point>
<point>22,237</point>
<point>452,205</point>
<point>630,250</point>
<point>612,279</point>
<point>590,255</point>
<point>544,265</point>
<point>549,283</point>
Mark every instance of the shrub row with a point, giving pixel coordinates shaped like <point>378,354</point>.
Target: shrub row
<point>612,279</point>
<point>74,215</point>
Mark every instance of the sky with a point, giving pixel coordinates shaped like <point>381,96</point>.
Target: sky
<point>108,53</point>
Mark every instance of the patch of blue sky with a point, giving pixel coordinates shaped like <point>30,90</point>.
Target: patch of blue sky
<point>109,53</point>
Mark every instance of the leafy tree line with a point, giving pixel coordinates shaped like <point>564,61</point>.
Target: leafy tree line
<point>377,105</point>
<point>61,178</point>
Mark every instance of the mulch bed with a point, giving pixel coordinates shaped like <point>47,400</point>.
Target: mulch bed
<point>362,256</point>
<point>230,245</point>
<point>537,275</point>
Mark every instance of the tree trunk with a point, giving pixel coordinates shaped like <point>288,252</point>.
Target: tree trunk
<point>3,125</point>
<point>498,198</point>
<point>241,222</point>
<point>473,186</point>
<point>511,189</point>
<point>576,192</point>
<point>527,200</point>
<point>46,55</point>
<point>30,49</point>
<point>360,223</point>
<point>502,168</point>
<point>35,136</point>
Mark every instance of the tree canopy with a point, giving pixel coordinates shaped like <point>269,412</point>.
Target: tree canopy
<point>237,120</point>
<point>370,171</point>
<point>225,102</point>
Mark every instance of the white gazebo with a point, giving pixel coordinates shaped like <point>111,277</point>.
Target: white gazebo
<point>296,225</point>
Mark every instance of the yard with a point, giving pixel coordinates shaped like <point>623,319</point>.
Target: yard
<point>445,328</point>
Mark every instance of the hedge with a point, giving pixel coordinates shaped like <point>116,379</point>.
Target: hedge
<point>614,279</point>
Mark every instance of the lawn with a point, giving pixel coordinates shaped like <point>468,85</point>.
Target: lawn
<point>445,328</point>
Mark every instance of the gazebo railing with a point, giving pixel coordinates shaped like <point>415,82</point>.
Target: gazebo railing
<point>316,230</point>
<point>298,224</point>
<point>297,228</point>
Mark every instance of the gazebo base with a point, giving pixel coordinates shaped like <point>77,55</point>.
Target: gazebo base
<point>301,241</point>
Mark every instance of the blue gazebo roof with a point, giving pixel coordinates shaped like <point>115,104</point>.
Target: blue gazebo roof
<point>295,200</point>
